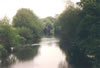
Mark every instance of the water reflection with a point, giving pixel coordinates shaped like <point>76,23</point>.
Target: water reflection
<point>63,65</point>
<point>76,57</point>
<point>7,61</point>
<point>21,54</point>
<point>47,55</point>
<point>50,54</point>
<point>26,53</point>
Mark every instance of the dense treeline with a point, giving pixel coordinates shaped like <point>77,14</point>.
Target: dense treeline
<point>79,29</point>
<point>48,26</point>
<point>25,29</point>
<point>80,34</point>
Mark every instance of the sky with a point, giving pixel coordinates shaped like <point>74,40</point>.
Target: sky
<point>42,8</point>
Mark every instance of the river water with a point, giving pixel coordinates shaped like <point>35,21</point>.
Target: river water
<point>46,54</point>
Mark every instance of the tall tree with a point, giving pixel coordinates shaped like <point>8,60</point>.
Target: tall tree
<point>89,30</point>
<point>26,19</point>
<point>81,34</point>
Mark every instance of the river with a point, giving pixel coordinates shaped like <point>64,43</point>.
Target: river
<point>46,55</point>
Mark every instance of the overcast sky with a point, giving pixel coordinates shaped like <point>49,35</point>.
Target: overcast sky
<point>41,8</point>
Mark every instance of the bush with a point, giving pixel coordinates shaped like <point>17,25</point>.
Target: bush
<point>3,51</point>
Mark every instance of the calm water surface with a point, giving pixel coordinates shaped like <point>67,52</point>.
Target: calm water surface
<point>48,55</point>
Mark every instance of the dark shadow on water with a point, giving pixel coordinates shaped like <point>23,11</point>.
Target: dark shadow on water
<point>7,61</point>
<point>26,53</point>
<point>62,65</point>
<point>20,54</point>
<point>76,57</point>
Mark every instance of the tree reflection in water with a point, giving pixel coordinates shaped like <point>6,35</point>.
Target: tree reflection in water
<point>63,65</point>
<point>26,53</point>
<point>20,54</point>
<point>75,56</point>
<point>7,61</point>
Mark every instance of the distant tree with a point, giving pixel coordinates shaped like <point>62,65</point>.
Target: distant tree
<point>48,20</point>
<point>48,24</point>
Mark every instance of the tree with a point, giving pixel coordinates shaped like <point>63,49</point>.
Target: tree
<point>89,34</point>
<point>26,19</point>
<point>48,24</point>
<point>8,35</point>
<point>69,21</point>
<point>80,34</point>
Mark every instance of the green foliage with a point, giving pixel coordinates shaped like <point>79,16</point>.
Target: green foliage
<point>24,17</point>
<point>28,25</point>
<point>80,34</point>
<point>69,20</point>
<point>89,30</point>
<point>3,52</point>
<point>26,33</point>
<point>48,23</point>
<point>49,20</point>
<point>8,35</point>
